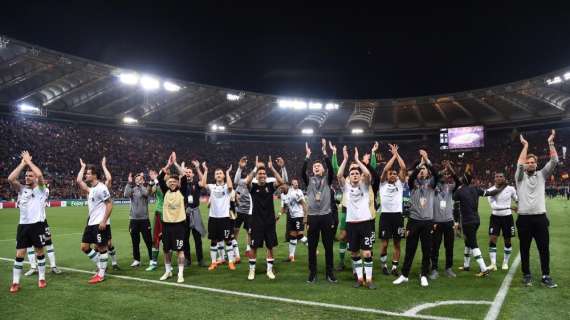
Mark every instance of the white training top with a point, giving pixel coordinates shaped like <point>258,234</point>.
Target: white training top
<point>96,203</point>
<point>391,196</point>
<point>501,203</point>
<point>219,201</point>
<point>357,202</point>
<point>294,199</point>
<point>32,204</point>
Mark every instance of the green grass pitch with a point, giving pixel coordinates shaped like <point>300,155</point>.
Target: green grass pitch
<point>69,296</point>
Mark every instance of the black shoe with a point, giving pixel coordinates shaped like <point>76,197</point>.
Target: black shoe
<point>202,264</point>
<point>371,285</point>
<point>357,284</point>
<point>548,282</point>
<point>188,263</point>
<point>331,278</point>
<point>340,267</point>
<point>385,270</point>
<point>116,267</point>
<point>527,280</point>
<point>395,272</point>
<point>312,278</point>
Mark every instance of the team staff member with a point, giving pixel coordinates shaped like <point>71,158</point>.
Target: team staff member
<point>139,222</point>
<point>320,220</point>
<point>532,221</point>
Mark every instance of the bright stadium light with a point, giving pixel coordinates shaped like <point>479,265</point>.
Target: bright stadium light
<point>554,80</point>
<point>217,127</point>
<point>149,83</point>
<point>357,131</point>
<point>308,131</point>
<point>315,106</point>
<point>292,104</point>
<point>130,120</point>
<point>233,97</point>
<point>331,106</point>
<point>567,76</point>
<point>130,78</point>
<point>26,107</point>
<point>169,86</point>
<point>221,128</point>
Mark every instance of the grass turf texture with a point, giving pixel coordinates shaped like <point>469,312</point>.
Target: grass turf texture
<point>69,296</point>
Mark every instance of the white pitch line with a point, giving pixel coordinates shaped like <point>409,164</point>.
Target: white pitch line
<point>415,310</point>
<point>57,236</point>
<point>502,294</point>
<point>263,297</point>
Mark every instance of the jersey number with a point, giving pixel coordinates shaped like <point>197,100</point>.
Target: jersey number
<point>179,244</point>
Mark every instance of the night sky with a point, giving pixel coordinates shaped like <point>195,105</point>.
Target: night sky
<point>336,52</point>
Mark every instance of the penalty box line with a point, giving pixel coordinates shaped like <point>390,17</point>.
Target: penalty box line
<point>261,297</point>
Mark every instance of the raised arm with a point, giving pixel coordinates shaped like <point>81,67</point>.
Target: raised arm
<point>249,177</point>
<point>551,164</point>
<point>283,171</point>
<point>365,171</point>
<point>403,170</point>
<point>82,185</point>
<point>278,178</point>
<point>108,176</point>
<point>524,151</point>
<point>229,179</point>
<point>196,165</point>
<point>373,163</point>
<point>340,173</point>
<point>241,166</point>
<point>334,159</point>
<point>39,175</point>
<point>305,164</point>
<point>204,181</point>
<point>390,163</point>
<point>13,177</point>
<point>129,187</point>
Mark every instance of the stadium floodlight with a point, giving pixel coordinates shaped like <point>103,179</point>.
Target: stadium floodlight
<point>130,120</point>
<point>26,107</point>
<point>129,78</point>
<point>567,76</point>
<point>315,106</point>
<point>233,97</point>
<point>149,83</point>
<point>221,128</point>
<point>357,131</point>
<point>307,131</point>
<point>215,127</point>
<point>554,80</point>
<point>331,106</point>
<point>292,104</point>
<point>170,86</point>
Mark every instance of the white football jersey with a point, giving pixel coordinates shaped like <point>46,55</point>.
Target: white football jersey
<point>294,199</point>
<point>219,201</point>
<point>96,203</point>
<point>357,202</point>
<point>391,196</point>
<point>501,203</point>
<point>32,204</point>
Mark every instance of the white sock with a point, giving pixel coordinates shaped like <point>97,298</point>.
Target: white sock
<point>230,252</point>
<point>493,254</point>
<point>93,256</point>
<point>51,255</point>
<point>357,266</point>
<point>292,247</point>
<point>213,253</point>
<point>269,265</point>
<point>248,248</point>
<point>103,257</point>
<point>479,259</point>
<point>368,268</point>
<point>32,258</point>
<point>113,255</point>
<point>17,271</point>
<point>466,257</point>
<point>508,251</point>
<point>251,264</point>
<point>41,267</point>
<point>221,253</point>
<point>180,270</point>
<point>168,267</point>
<point>235,245</point>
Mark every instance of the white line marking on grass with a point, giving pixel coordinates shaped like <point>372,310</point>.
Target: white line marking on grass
<point>502,294</point>
<point>57,236</point>
<point>415,310</point>
<point>262,297</point>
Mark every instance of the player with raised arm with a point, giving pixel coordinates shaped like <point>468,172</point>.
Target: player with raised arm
<point>295,202</point>
<point>532,221</point>
<point>244,208</point>
<point>358,215</point>
<point>263,220</point>
<point>139,223</point>
<point>100,206</point>
<point>501,220</point>
<point>173,218</point>
<point>420,223</point>
<point>320,220</point>
<point>31,201</point>
<point>391,225</point>
<point>220,226</point>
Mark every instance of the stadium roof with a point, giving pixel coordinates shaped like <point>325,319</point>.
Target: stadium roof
<point>68,87</point>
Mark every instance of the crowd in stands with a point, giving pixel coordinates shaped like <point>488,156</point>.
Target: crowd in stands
<point>57,146</point>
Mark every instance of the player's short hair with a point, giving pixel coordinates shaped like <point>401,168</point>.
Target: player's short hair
<point>219,169</point>
<point>532,155</point>
<point>318,161</point>
<point>355,169</point>
<point>93,169</point>
<point>262,168</point>
<point>173,176</point>
<point>500,172</point>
